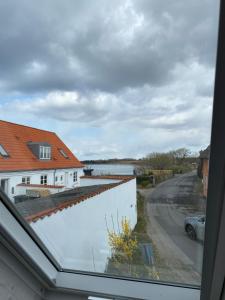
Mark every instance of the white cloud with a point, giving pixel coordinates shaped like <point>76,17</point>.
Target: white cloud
<point>132,122</point>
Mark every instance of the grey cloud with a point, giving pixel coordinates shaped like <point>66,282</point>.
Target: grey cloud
<point>142,69</point>
<point>108,47</point>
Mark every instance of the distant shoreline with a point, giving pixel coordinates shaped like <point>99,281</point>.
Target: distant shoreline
<point>112,162</point>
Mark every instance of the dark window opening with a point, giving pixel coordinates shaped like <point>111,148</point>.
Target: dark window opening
<point>63,153</point>
<point>44,179</point>
<point>3,152</point>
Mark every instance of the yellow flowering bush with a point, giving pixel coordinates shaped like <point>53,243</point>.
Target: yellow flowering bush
<point>123,244</point>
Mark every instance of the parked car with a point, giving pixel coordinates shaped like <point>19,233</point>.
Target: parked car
<point>195,227</point>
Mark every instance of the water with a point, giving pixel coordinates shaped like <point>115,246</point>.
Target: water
<point>111,169</point>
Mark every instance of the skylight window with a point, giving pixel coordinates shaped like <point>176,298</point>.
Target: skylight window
<point>63,153</point>
<point>3,152</point>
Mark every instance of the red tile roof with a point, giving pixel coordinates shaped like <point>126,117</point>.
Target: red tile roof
<point>14,139</point>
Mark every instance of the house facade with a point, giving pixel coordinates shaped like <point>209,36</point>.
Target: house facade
<point>203,169</point>
<point>35,161</point>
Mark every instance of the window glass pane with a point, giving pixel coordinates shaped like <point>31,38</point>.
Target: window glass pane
<point>2,151</point>
<point>124,90</point>
<point>41,152</point>
<point>63,153</point>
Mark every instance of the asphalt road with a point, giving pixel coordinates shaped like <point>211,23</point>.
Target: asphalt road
<point>179,190</point>
<point>168,204</point>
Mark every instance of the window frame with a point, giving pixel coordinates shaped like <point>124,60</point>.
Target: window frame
<point>213,274</point>
<point>26,180</point>
<point>75,176</point>
<point>63,153</point>
<point>44,179</point>
<point>45,152</point>
<point>29,248</point>
<point>19,238</point>
<point>3,152</point>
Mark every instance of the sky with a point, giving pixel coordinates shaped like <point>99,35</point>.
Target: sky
<point>114,78</point>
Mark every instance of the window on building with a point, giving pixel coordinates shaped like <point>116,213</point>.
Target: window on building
<point>44,179</point>
<point>26,180</point>
<point>56,178</point>
<point>3,151</point>
<point>75,176</point>
<point>61,178</point>
<point>45,152</point>
<point>13,190</point>
<point>63,153</point>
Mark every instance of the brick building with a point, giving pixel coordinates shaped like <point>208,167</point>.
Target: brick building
<point>203,169</point>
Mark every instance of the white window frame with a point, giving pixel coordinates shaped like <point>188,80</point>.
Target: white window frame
<point>44,179</point>
<point>45,152</point>
<point>26,180</point>
<point>75,176</point>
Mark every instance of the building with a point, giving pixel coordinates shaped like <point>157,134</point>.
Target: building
<point>74,225</point>
<point>46,181</point>
<point>203,169</point>
<point>35,162</point>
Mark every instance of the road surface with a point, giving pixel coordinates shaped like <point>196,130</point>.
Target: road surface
<point>167,206</point>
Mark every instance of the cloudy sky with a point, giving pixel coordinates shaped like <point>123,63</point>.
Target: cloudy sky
<point>111,78</point>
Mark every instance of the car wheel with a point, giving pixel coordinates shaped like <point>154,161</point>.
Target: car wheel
<point>191,232</point>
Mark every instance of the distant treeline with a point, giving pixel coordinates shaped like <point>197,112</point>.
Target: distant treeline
<point>179,161</point>
<point>181,158</point>
<point>111,161</point>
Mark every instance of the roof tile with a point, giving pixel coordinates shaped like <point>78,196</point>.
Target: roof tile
<point>14,139</point>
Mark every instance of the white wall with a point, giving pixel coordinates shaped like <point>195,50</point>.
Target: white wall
<point>78,237</point>
<point>95,181</point>
<point>21,190</point>
<point>15,178</point>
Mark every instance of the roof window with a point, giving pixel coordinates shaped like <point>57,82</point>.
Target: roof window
<point>63,153</point>
<point>3,152</point>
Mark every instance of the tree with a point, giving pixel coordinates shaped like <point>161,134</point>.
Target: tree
<point>159,161</point>
<point>168,160</point>
<point>180,154</point>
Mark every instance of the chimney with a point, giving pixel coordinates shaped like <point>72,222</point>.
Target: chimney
<point>88,172</point>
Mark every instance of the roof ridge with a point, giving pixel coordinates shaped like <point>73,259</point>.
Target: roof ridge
<point>12,123</point>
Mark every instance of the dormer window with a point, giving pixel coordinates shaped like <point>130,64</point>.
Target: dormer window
<point>63,153</point>
<point>3,152</point>
<point>41,150</point>
<point>45,152</point>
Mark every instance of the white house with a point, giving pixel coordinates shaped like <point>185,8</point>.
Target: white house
<point>35,160</point>
<point>73,213</point>
<point>74,224</point>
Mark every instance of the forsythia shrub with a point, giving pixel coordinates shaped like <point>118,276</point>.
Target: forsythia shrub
<point>123,244</point>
